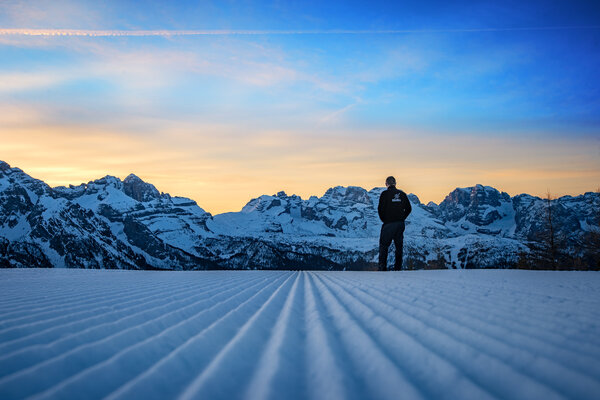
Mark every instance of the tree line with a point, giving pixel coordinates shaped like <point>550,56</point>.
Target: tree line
<point>557,249</point>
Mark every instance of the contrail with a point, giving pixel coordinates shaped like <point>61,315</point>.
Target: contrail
<point>166,32</point>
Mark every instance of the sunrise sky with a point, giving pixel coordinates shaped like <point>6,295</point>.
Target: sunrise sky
<point>225,101</point>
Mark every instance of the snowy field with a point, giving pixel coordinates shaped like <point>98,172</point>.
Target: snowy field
<point>294,335</point>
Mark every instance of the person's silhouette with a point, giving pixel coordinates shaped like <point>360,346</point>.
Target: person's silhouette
<point>393,209</point>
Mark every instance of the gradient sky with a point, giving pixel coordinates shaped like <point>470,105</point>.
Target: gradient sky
<point>225,101</point>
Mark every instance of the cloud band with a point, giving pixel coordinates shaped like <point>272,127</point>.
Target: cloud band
<point>166,32</point>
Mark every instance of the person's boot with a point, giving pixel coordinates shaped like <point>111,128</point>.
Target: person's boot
<point>382,268</point>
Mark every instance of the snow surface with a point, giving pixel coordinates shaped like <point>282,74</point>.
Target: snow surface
<point>472,334</point>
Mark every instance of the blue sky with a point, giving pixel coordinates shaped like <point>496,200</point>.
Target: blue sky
<point>499,93</point>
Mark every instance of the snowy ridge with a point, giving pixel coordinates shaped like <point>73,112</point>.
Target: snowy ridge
<point>277,334</point>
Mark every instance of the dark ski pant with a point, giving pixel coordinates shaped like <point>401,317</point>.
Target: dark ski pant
<point>391,231</point>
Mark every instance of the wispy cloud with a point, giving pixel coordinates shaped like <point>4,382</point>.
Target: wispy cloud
<point>232,32</point>
<point>14,82</point>
<point>240,66</point>
<point>335,116</point>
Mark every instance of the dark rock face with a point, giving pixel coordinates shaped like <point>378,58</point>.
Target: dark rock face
<point>473,204</point>
<point>142,238</point>
<point>246,253</point>
<point>13,202</point>
<point>568,214</point>
<point>139,190</point>
<point>22,255</point>
<point>109,223</point>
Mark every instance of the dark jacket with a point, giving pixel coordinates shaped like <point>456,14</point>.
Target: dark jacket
<point>393,205</point>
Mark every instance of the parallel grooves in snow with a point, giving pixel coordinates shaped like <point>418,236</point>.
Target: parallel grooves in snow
<point>440,343</point>
<point>280,340</point>
<point>39,331</point>
<point>524,351</point>
<point>408,351</point>
<point>103,330</point>
<point>293,335</point>
<point>249,340</point>
<point>93,353</point>
<point>194,354</point>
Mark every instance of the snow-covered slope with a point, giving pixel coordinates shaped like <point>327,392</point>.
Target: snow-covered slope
<point>500,334</point>
<point>109,223</point>
<point>176,221</point>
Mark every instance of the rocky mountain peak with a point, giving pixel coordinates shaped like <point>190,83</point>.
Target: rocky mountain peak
<point>353,194</point>
<point>18,178</point>
<point>413,198</point>
<point>139,190</point>
<point>132,178</point>
<point>477,204</point>
<point>107,180</point>
<point>262,203</point>
<point>475,196</point>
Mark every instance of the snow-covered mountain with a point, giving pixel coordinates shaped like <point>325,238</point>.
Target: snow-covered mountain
<point>109,223</point>
<point>106,223</point>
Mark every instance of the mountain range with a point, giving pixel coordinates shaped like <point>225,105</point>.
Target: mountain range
<point>129,224</point>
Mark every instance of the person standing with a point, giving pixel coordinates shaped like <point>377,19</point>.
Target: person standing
<point>393,209</point>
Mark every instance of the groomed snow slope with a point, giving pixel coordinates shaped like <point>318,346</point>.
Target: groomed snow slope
<point>286,335</point>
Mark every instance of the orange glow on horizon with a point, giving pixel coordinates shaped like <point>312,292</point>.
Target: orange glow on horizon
<point>222,174</point>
